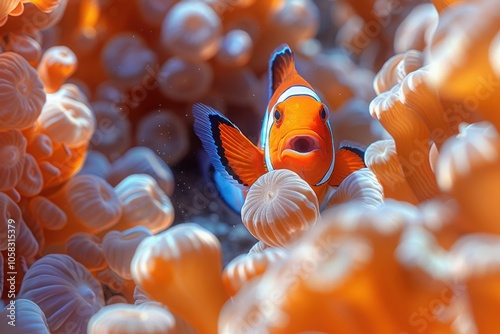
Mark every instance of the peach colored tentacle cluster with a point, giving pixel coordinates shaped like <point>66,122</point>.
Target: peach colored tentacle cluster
<point>97,163</point>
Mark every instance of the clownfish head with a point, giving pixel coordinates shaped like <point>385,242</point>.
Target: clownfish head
<point>296,133</point>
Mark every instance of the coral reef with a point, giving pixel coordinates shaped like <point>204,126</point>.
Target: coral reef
<point>110,220</point>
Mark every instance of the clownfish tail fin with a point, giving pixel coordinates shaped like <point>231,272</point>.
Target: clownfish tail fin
<point>232,154</point>
<point>281,65</point>
<point>349,158</point>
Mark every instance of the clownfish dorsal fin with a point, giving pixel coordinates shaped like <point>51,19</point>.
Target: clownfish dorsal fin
<point>281,65</point>
<point>349,158</point>
<point>232,154</point>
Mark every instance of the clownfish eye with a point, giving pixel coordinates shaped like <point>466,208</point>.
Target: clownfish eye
<point>323,114</point>
<point>277,115</point>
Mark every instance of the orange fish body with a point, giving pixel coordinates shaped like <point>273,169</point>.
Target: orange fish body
<point>296,135</point>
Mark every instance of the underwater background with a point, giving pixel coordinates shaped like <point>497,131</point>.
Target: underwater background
<point>110,220</point>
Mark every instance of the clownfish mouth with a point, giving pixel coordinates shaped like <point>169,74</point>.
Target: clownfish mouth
<point>302,144</point>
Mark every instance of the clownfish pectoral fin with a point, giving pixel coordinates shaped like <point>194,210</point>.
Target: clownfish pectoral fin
<point>232,154</point>
<point>349,158</point>
<point>281,65</point>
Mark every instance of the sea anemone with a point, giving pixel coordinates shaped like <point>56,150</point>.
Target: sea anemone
<point>24,316</point>
<point>459,57</point>
<point>382,159</point>
<point>62,164</point>
<point>495,55</point>
<point>12,155</point>
<point>236,48</point>
<point>33,19</point>
<point>45,5</point>
<point>86,249</point>
<point>475,262</point>
<point>116,299</point>
<point>16,233</point>
<point>288,298</point>
<point>10,7</point>
<point>130,319</point>
<point>168,267</point>
<point>23,45</point>
<point>142,160</point>
<point>412,138</point>
<point>191,30</point>
<point>85,36</point>
<point>67,121</point>
<point>468,168</point>
<point>31,181</point>
<point>443,4</point>
<point>322,277</point>
<point>259,247</point>
<point>409,244</point>
<point>28,246</point>
<point>21,92</point>
<point>360,187</point>
<point>442,217</point>
<point>352,123</point>
<point>119,248</point>
<point>396,69</point>
<point>245,267</point>
<point>184,80</point>
<point>295,20</point>
<point>329,75</point>
<point>153,11</point>
<point>96,164</point>
<point>40,146</point>
<point>69,90</point>
<point>9,212</point>
<point>57,65</point>
<point>429,269</point>
<point>415,31</point>
<point>112,135</point>
<point>33,225</point>
<point>417,95</point>
<point>112,280</point>
<point>278,207</point>
<point>143,203</point>
<point>165,133</point>
<point>127,59</point>
<point>70,287</point>
<point>90,204</point>
<point>108,91</point>
<point>238,86</point>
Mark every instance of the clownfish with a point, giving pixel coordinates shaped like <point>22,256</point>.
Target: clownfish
<point>296,135</point>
